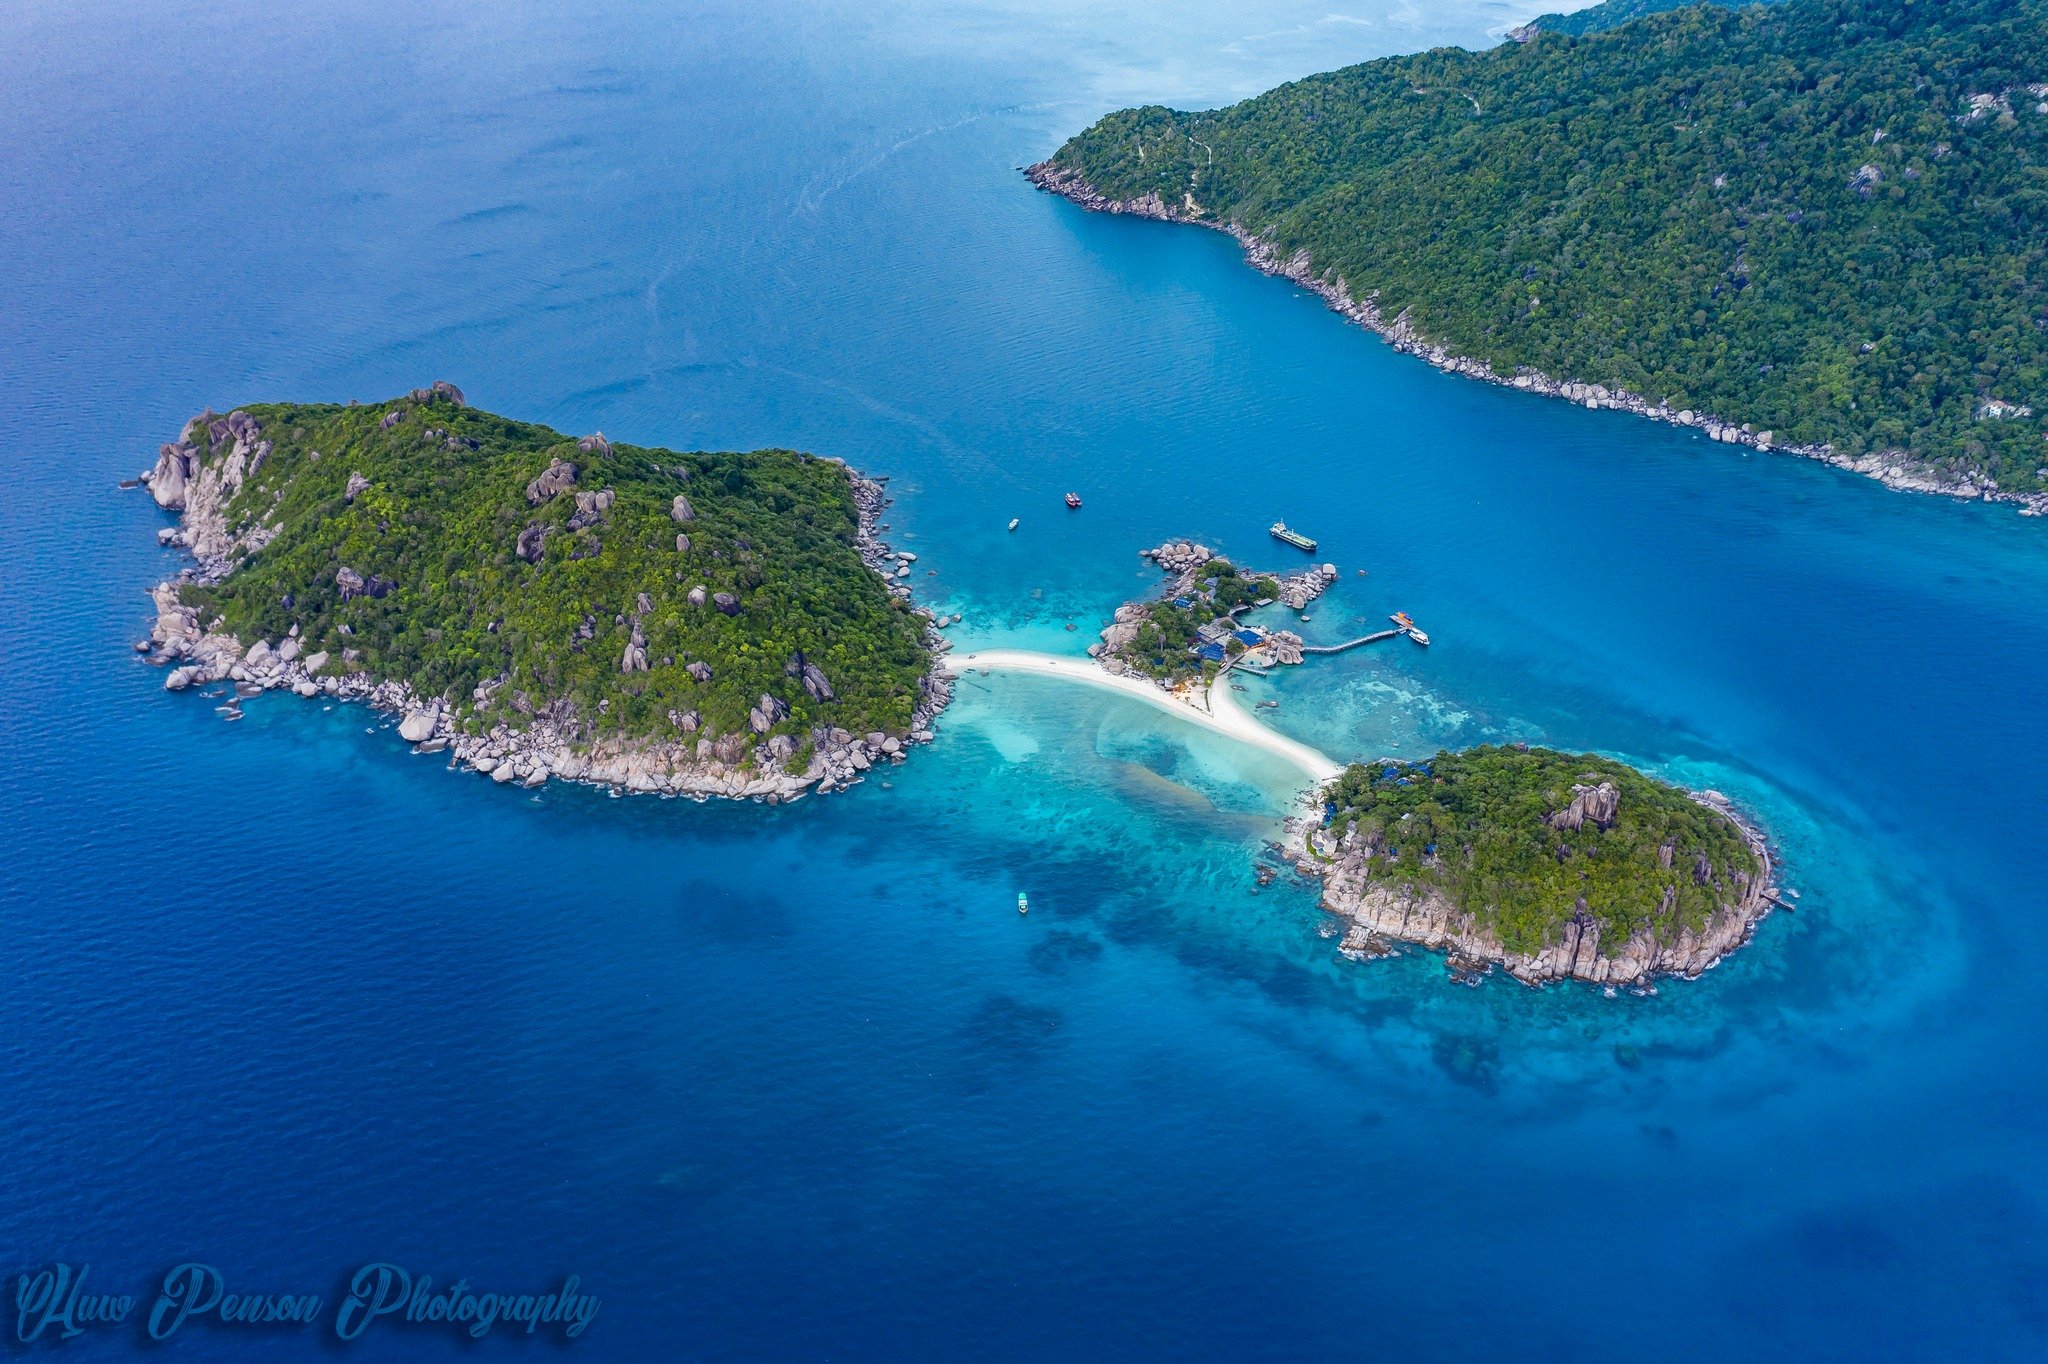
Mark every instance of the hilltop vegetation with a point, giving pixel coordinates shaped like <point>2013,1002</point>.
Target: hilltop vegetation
<point>1825,218</point>
<point>617,590</point>
<point>1518,838</point>
<point>1614,13</point>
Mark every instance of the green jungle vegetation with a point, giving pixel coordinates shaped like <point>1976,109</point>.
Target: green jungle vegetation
<point>1164,644</point>
<point>421,573</point>
<point>1613,13</point>
<point>1827,219</point>
<point>1477,827</point>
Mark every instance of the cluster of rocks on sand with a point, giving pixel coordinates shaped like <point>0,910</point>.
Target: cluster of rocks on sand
<point>1894,468</point>
<point>552,744</point>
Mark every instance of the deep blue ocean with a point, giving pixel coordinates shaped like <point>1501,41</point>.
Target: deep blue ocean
<point>282,997</point>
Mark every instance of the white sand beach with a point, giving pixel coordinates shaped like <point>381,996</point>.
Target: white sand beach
<point>1223,716</point>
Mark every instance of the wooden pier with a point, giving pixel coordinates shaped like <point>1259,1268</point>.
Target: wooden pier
<point>1350,643</point>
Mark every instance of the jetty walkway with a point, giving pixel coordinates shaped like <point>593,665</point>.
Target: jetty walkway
<point>1350,643</point>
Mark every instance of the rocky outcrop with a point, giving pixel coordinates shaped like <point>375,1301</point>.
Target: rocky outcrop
<point>1380,912</point>
<point>532,542</point>
<point>681,510</point>
<point>1896,469</point>
<point>591,507</point>
<point>175,465</point>
<point>1597,805</point>
<point>557,478</point>
<point>1297,590</point>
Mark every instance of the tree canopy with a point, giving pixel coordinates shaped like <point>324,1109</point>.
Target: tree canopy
<point>1825,218</point>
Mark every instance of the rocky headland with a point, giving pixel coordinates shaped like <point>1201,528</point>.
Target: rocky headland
<point>1893,468</point>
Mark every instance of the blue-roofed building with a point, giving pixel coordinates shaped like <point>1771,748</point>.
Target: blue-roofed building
<point>1183,602</point>
<point>1212,652</point>
<point>1251,636</point>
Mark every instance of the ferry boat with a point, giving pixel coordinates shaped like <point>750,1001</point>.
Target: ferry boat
<point>1280,532</point>
<point>1409,628</point>
<point>1074,501</point>
<point>1418,636</point>
<point>1023,903</point>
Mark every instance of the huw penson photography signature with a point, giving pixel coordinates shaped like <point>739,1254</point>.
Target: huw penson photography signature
<point>56,1302</point>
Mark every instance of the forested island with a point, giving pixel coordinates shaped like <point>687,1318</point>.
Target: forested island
<point>1819,226</point>
<point>1554,865</point>
<point>540,605</point>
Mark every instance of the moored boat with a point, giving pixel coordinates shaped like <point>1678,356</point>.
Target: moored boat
<point>1279,531</point>
<point>1074,501</point>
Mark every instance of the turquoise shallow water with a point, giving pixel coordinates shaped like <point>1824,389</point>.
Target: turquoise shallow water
<point>800,1082</point>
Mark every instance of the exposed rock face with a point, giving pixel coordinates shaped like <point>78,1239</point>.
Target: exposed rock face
<point>682,544</point>
<point>349,582</point>
<point>591,507</point>
<point>726,602</point>
<point>1599,805</point>
<point>698,669</point>
<point>418,726</point>
<point>440,389</point>
<point>175,464</point>
<point>696,597</point>
<point>681,510</point>
<point>557,478</point>
<point>533,542</point>
<point>356,484</point>
<point>594,444</point>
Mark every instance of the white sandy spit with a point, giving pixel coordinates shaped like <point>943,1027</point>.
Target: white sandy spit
<point>1223,715</point>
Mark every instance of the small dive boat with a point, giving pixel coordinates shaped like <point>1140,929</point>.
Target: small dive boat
<point>1023,903</point>
<point>1418,636</point>
<point>1013,523</point>
<point>1073,501</point>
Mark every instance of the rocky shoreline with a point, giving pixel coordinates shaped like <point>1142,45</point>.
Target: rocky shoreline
<point>1379,916</point>
<point>1891,468</point>
<point>199,488</point>
<point>1182,561</point>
